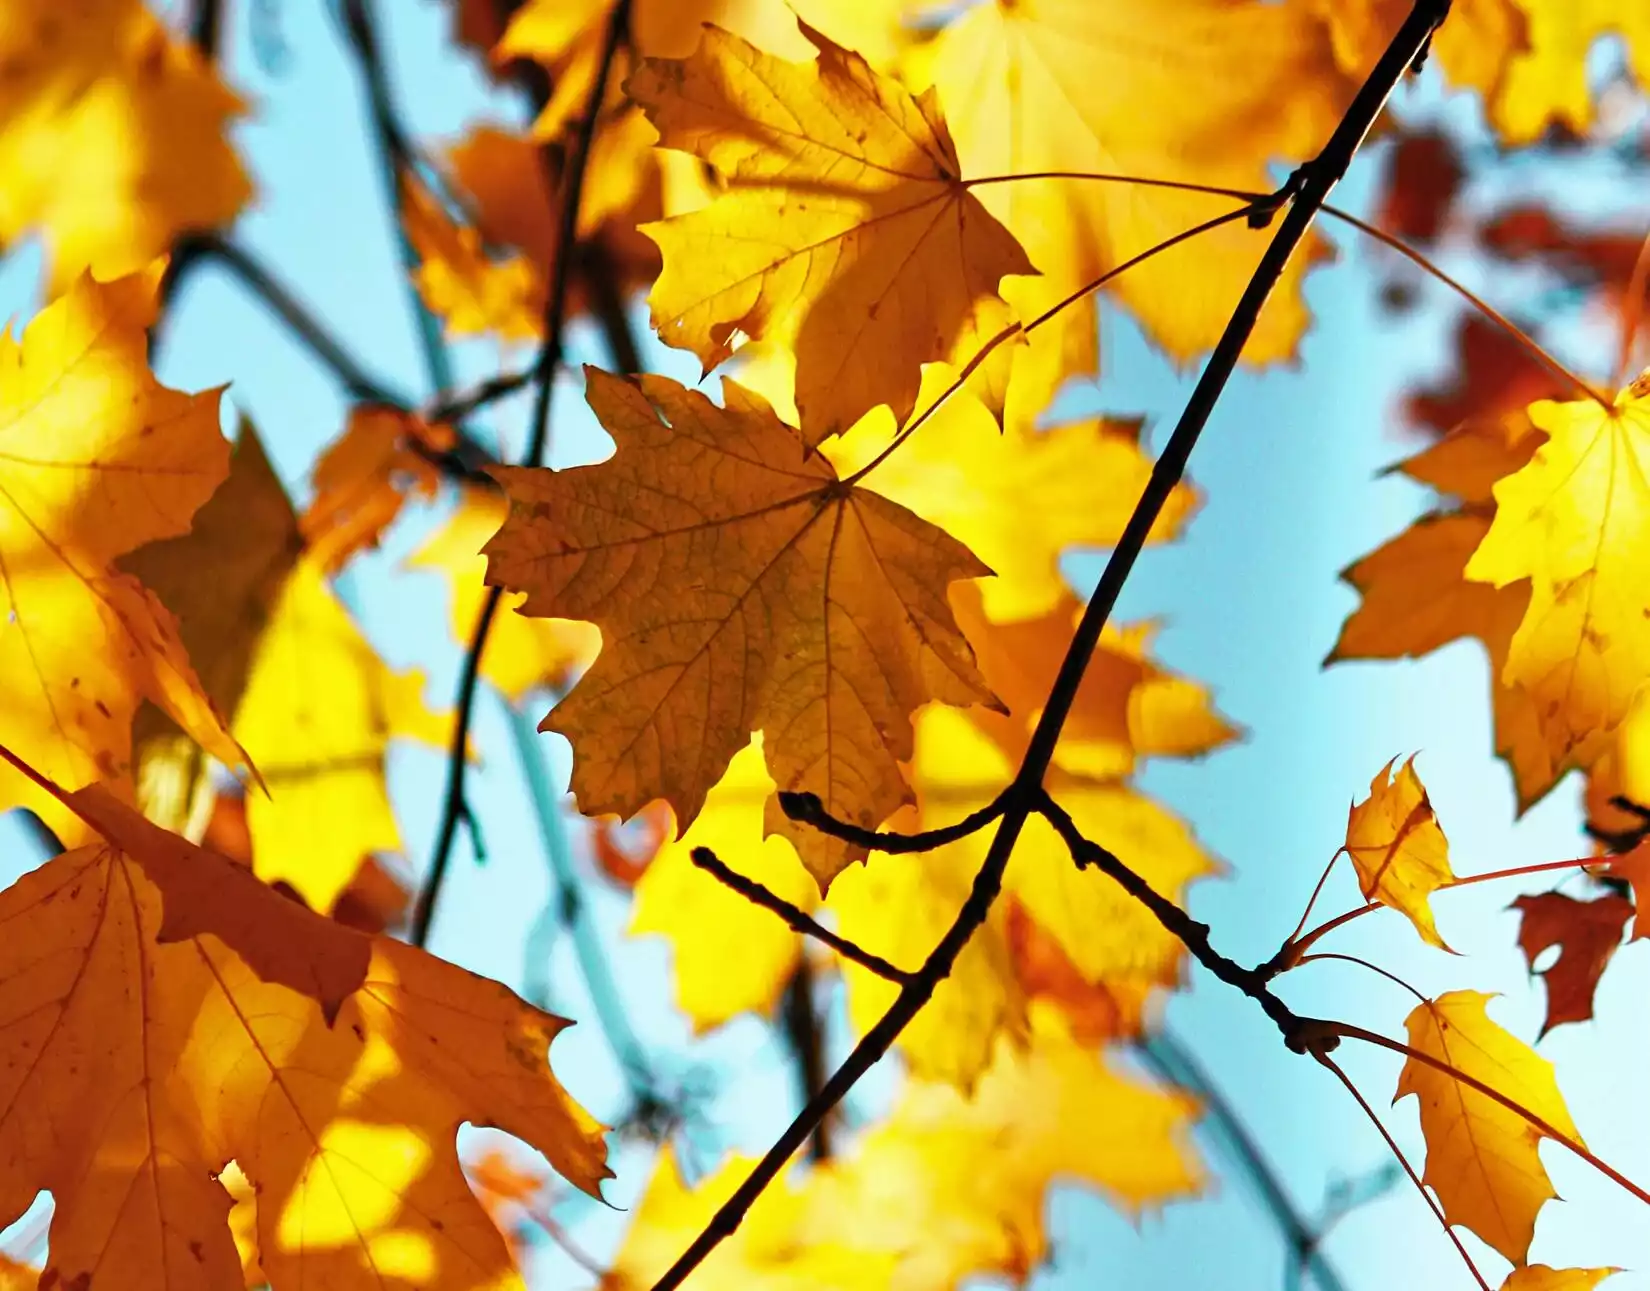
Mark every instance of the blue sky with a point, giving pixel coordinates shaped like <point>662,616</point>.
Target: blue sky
<point>1251,605</point>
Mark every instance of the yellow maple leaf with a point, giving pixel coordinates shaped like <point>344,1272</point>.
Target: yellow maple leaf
<point>1575,521</point>
<point>945,1187</point>
<point>1473,46</point>
<point>1482,1158</point>
<point>521,652</point>
<point>956,1185</point>
<point>739,587</point>
<point>340,1099</point>
<point>730,956</point>
<point>1057,85</point>
<point>98,458</point>
<point>111,136</point>
<point>320,710</point>
<point>1546,80</point>
<point>874,257</point>
<point>1394,842</point>
<point>972,479</point>
<point>1539,1277</point>
<point>1127,706</point>
<point>472,292</point>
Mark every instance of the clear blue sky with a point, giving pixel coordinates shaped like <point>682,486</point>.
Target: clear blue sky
<point>1252,603</point>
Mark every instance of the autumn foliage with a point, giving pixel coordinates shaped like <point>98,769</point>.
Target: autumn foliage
<point>837,715</point>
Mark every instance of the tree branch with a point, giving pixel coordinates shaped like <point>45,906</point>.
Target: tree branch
<point>1298,1033</point>
<point>796,917</point>
<point>807,1041</point>
<point>397,158</point>
<point>1307,196</point>
<point>807,809</point>
<point>549,359</point>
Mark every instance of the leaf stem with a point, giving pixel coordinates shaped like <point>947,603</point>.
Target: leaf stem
<point>1535,349</point>
<point>1632,312</point>
<point>549,359</point>
<point>798,919</point>
<point>1362,963</point>
<point>1316,182</point>
<point>1008,333</point>
<point>1106,177</point>
<point>1296,946</point>
<point>1392,1145</point>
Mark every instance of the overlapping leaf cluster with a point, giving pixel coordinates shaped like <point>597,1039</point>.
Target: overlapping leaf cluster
<point>841,577</point>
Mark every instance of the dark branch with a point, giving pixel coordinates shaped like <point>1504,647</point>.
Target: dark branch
<point>807,1041</point>
<point>454,405</point>
<point>807,809</point>
<point>795,916</point>
<point>1023,796</point>
<point>1297,1031</point>
<point>549,359</point>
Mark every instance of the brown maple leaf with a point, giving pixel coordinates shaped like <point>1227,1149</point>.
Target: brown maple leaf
<point>739,587</point>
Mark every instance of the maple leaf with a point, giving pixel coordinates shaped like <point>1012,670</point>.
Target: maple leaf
<point>739,587</point>
<point>1547,81</point>
<point>1397,847</point>
<point>489,274</point>
<point>1473,46</point>
<point>1539,1277</point>
<point>1127,706</point>
<point>111,137</point>
<point>1634,867</point>
<point>126,1103</point>
<point>971,479</point>
<point>98,459</point>
<point>1416,598</point>
<point>1482,1158</point>
<point>1575,521</point>
<point>1056,85</point>
<point>873,256</point>
<point>521,652</point>
<point>472,292</point>
<point>908,1207</point>
<point>363,478</point>
<point>1424,177</point>
<point>319,712</point>
<point>1587,934</point>
<point>730,956</point>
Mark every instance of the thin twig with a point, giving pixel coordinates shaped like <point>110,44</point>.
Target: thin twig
<point>574,911</point>
<point>807,809</point>
<point>451,405</point>
<point>549,359</point>
<point>798,919</point>
<point>1313,189</point>
<point>1297,1031</point>
<point>397,161</point>
<point>1414,1178</point>
<point>1175,1062</point>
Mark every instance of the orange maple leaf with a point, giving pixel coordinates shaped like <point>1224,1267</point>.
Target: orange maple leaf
<point>1481,1156</point>
<point>168,1014</point>
<point>738,587</point>
<point>873,257</point>
<point>1394,842</point>
<point>98,458</point>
